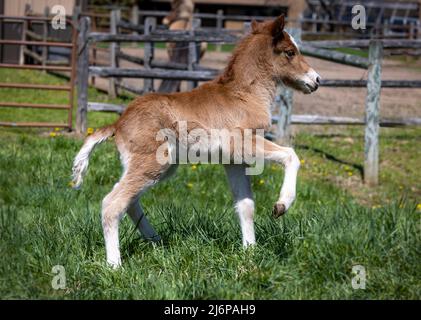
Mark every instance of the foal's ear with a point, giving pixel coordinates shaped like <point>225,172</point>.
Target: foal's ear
<point>254,26</point>
<point>278,28</point>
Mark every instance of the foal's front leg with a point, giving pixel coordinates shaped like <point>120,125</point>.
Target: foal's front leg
<point>243,197</point>
<point>289,159</point>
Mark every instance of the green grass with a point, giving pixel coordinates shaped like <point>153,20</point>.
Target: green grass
<point>336,223</point>
<point>356,52</point>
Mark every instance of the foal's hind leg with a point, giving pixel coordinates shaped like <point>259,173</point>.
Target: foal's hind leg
<point>138,217</point>
<point>115,204</point>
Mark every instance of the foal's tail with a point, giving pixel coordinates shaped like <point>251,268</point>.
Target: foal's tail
<point>80,164</point>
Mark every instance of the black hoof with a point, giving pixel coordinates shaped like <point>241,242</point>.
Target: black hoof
<point>278,210</point>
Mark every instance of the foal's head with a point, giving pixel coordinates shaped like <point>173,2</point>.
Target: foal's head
<point>286,63</point>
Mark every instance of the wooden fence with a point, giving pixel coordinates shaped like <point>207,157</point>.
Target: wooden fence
<point>44,42</point>
<point>61,57</point>
<point>193,72</point>
<point>314,25</point>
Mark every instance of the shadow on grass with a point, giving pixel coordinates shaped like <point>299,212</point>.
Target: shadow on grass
<point>331,157</point>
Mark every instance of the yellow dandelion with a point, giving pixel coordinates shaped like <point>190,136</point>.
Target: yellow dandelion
<point>261,181</point>
<point>190,185</point>
<point>419,206</point>
<point>56,129</point>
<point>400,187</point>
<point>90,131</point>
<point>302,161</point>
<point>350,173</point>
<point>194,167</point>
<point>71,184</point>
<point>53,134</point>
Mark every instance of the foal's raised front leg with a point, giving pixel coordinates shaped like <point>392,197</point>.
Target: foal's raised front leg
<point>243,197</point>
<point>289,159</point>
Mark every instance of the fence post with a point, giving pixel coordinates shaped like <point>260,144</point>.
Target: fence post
<point>114,48</point>
<point>219,25</point>
<point>283,103</point>
<point>385,28</point>
<point>314,24</point>
<point>150,23</point>
<point>75,19</point>
<point>371,148</point>
<point>82,75</point>
<point>44,38</point>
<point>193,57</point>
<point>23,38</point>
<point>246,27</point>
<point>135,20</point>
<point>411,32</point>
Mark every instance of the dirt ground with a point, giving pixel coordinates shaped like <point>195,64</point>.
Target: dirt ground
<point>395,102</point>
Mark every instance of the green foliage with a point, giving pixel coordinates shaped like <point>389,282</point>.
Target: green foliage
<point>356,52</point>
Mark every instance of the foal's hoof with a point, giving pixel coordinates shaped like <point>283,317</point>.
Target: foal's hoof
<point>114,264</point>
<point>278,210</point>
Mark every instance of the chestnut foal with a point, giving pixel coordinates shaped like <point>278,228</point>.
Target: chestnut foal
<point>240,98</point>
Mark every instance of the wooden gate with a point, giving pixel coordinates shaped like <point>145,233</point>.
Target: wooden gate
<point>44,42</point>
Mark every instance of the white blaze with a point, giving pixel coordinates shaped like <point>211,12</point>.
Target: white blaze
<point>293,41</point>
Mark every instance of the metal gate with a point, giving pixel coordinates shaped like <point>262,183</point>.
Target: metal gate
<point>44,42</point>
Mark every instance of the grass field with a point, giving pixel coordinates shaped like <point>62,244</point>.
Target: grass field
<point>336,222</point>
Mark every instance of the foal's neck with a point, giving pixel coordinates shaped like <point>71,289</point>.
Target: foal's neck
<point>248,72</point>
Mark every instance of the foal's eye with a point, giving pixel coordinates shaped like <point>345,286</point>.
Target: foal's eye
<point>290,53</point>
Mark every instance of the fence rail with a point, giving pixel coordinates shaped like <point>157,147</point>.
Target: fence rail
<point>386,43</point>
<point>331,120</point>
<point>230,38</point>
<point>165,36</point>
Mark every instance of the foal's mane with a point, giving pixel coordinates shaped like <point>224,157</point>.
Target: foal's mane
<point>228,74</point>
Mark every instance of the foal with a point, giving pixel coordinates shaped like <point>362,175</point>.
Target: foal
<point>238,99</point>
